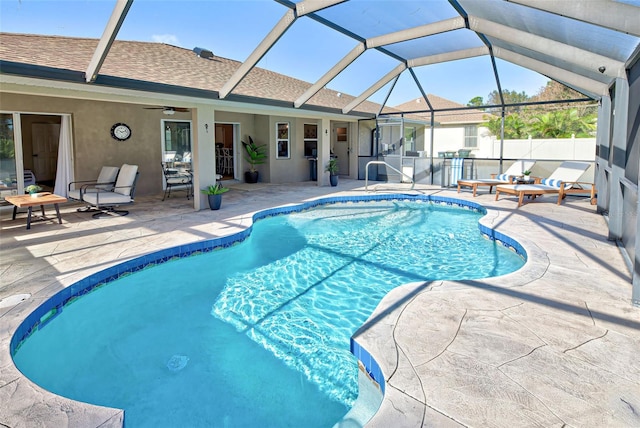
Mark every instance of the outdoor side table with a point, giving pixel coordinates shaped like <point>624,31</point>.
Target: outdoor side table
<point>524,180</point>
<point>28,201</point>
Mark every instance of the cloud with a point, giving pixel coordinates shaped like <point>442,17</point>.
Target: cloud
<point>169,39</point>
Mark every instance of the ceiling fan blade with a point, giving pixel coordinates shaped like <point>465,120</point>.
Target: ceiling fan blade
<point>168,108</point>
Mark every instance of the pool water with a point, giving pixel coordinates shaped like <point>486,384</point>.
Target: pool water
<point>257,334</point>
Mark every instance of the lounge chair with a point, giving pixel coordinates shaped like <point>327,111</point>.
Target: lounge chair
<point>122,193</point>
<point>562,181</point>
<point>517,169</point>
<point>105,181</point>
<point>29,178</point>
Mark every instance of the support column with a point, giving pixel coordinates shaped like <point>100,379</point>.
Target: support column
<point>204,154</point>
<point>619,155</point>
<point>602,151</point>
<point>634,139</point>
<point>324,152</point>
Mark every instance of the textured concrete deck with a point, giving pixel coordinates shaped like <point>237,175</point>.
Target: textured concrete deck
<point>553,344</point>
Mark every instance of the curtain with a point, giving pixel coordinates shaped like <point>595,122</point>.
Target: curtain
<point>64,171</point>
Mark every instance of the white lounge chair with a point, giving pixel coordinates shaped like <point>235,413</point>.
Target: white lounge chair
<point>562,181</point>
<point>516,169</point>
<point>105,181</point>
<point>122,193</point>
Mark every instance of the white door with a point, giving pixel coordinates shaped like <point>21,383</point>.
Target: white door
<point>341,147</point>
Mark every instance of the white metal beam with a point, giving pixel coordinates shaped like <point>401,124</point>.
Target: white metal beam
<point>585,59</point>
<point>260,50</point>
<point>614,15</point>
<point>309,6</point>
<point>575,80</point>
<point>448,56</point>
<point>417,32</point>
<point>108,36</point>
<point>374,88</point>
<point>330,75</point>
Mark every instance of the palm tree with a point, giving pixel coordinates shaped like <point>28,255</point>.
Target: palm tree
<point>562,124</point>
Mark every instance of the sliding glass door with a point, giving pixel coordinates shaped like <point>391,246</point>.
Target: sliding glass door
<point>8,175</point>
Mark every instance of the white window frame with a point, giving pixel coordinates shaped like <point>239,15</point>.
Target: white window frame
<point>470,136</point>
<point>310,140</point>
<point>283,140</point>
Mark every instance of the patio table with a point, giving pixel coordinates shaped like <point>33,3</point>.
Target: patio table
<point>29,202</point>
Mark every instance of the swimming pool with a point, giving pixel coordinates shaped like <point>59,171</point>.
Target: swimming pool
<point>250,337</point>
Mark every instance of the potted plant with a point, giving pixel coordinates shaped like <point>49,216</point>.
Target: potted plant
<point>332,169</point>
<point>526,173</point>
<point>214,194</point>
<point>33,190</point>
<point>256,155</point>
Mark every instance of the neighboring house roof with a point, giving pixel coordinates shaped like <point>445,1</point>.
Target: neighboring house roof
<point>471,116</point>
<point>130,62</point>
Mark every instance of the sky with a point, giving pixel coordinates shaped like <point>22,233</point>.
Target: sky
<point>233,28</point>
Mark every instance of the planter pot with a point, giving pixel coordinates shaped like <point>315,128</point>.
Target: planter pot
<point>251,177</point>
<point>334,180</point>
<point>215,201</point>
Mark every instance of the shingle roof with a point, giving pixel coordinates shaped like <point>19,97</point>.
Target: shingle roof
<point>443,117</point>
<point>164,64</point>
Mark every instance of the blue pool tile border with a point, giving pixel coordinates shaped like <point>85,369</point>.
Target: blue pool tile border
<point>370,364</point>
<point>54,306</point>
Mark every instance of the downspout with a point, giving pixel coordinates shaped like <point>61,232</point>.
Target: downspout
<point>433,121</point>
<point>501,138</point>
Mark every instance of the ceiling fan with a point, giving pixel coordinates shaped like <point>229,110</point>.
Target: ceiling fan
<point>168,109</point>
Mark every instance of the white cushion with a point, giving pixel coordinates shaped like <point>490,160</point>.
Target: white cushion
<point>179,179</point>
<point>74,194</point>
<point>126,177</point>
<point>106,198</point>
<point>108,174</point>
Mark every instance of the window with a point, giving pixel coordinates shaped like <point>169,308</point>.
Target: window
<point>471,136</point>
<point>409,139</point>
<point>310,140</point>
<point>282,140</point>
<point>176,143</point>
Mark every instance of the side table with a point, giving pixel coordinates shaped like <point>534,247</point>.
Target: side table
<point>29,202</point>
<point>524,180</point>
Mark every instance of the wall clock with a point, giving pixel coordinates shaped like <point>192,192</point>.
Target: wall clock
<point>120,131</point>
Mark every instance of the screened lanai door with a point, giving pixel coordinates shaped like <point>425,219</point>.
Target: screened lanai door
<point>340,146</point>
<point>176,146</point>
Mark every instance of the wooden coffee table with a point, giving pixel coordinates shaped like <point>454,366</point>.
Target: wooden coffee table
<point>28,201</point>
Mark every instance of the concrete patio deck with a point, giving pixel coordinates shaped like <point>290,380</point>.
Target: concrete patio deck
<point>554,344</point>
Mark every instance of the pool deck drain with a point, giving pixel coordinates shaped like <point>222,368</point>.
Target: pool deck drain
<point>555,343</point>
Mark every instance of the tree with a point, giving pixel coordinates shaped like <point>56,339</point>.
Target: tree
<point>475,102</point>
<point>557,91</point>
<point>514,126</point>
<point>562,124</point>
<point>565,120</point>
<point>510,97</point>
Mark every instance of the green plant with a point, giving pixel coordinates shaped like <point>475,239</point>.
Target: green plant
<point>256,154</point>
<point>33,188</point>
<point>332,166</point>
<point>215,189</point>
<point>527,172</point>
